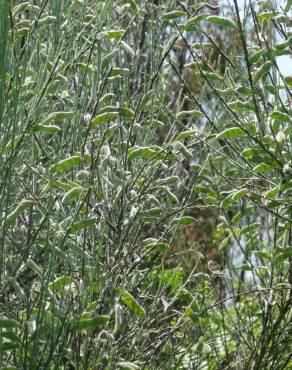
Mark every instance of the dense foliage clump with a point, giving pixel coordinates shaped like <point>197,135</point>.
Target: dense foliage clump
<point>145,192</point>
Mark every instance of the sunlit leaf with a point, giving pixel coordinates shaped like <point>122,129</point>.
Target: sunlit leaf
<point>231,132</point>
<point>132,304</point>
<point>221,21</point>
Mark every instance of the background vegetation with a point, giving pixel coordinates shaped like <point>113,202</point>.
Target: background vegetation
<point>146,172</point>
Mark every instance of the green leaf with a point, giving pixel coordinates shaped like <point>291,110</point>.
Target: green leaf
<point>49,129</point>
<point>239,104</point>
<point>67,163</point>
<point>255,57</point>
<point>170,194</point>
<point>132,304</point>
<point>114,34</point>
<point>288,80</point>
<point>85,67</point>
<point>263,167</point>
<point>265,16</point>
<point>224,243</point>
<point>154,122</point>
<point>8,324</point>
<point>185,134</point>
<point>283,255</point>
<point>189,113</point>
<point>88,324</point>
<point>127,365</point>
<point>262,71</point>
<point>34,267</point>
<point>11,218</point>
<point>185,220</point>
<point>108,58</point>
<point>72,194</point>
<point>173,15</point>
<point>270,194</point>
<point>128,48</point>
<point>280,116</point>
<point>123,111</point>
<point>236,218</point>
<point>189,26</point>
<point>10,335</point>
<point>49,19</point>
<point>221,21</point>
<point>61,282</point>
<point>82,225</point>
<point>167,180</point>
<point>239,194</point>
<point>152,212</point>
<point>288,6</point>
<point>285,44</point>
<point>58,116</point>
<point>145,152</point>
<point>133,5</point>
<point>103,117</point>
<point>182,149</point>
<point>8,346</point>
<point>251,152</point>
<point>231,133</point>
<point>233,197</point>
<point>244,90</point>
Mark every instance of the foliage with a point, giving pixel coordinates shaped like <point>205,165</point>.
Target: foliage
<point>145,204</point>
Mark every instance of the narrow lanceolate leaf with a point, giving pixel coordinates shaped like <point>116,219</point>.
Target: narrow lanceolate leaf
<point>239,194</point>
<point>281,116</point>
<point>8,346</point>
<point>123,111</point>
<point>11,218</point>
<point>72,194</point>
<point>288,80</point>
<point>67,163</point>
<point>167,180</point>
<point>34,267</point>
<point>244,90</point>
<point>262,71</point>
<point>133,5</point>
<point>8,324</point>
<point>49,19</point>
<point>114,34</point>
<point>81,225</point>
<point>185,134</point>
<point>108,58</point>
<point>231,132</point>
<point>233,197</point>
<point>185,220</point>
<point>48,129</point>
<point>87,324</point>
<point>132,304</point>
<point>255,57</point>
<point>173,15</point>
<point>189,113</point>
<point>152,212</point>
<point>127,365</point>
<point>262,167</point>
<point>146,152</point>
<point>103,117</point>
<point>190,24</point>
<point>270,194</point>
<point>182,149</point>
<point>17,288</point>
<point>57,116</point>
<point>221,21</point>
